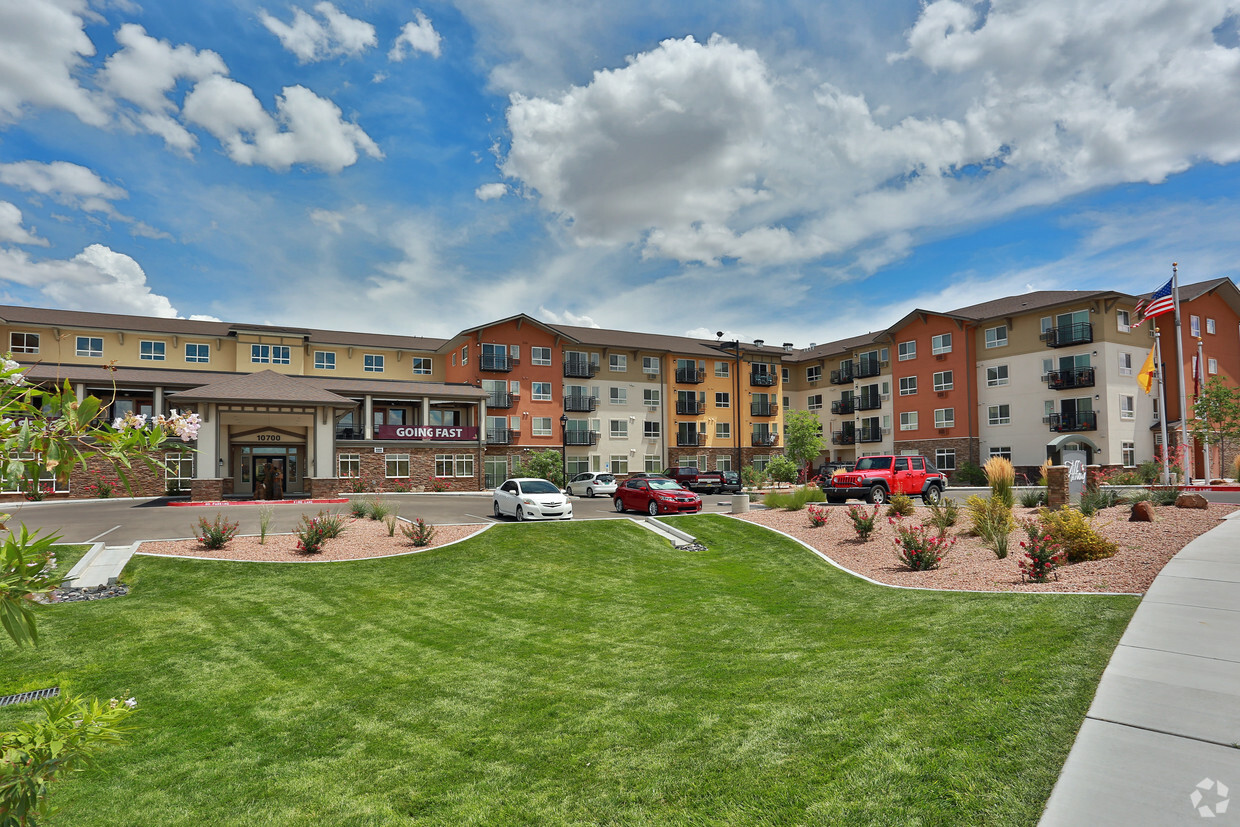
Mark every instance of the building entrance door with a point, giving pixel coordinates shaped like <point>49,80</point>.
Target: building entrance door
<point>287,458</point>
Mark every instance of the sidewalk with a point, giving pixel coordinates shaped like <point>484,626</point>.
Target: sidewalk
<point>1161,743</point>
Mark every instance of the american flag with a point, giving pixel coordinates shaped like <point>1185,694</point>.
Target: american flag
<point>1159,303</point>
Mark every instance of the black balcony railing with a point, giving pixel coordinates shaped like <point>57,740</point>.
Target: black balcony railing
<point>501,436</point>
<point>690,407</point>
<point>843,375</point>
<point>581,437</point>
<point>868,367</point>
<point>690,376</point>
<point>768,440</point>
<point>844,406</point>
<point>870,435</point>
<point>1058,380</point>
<point>868,402</point>
<point>580,404</point>
<point>763,409</point>
<point>580,368</point>
<point>1083,421</point>
<point>690,440</point>
<point>1081,333</point>
<point>762,379</point>
<point>350,433</point>
<point>499,362</point>
<point>843,437</point>
<point>499,400</point>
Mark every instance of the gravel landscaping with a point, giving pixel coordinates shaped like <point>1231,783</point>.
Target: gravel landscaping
<point>1144,548</point>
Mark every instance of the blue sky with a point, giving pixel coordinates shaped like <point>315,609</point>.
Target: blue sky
<point>797,171</point>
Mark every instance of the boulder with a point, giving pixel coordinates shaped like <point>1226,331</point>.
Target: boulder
<point>1142,512</point>
<point>1188,499</point>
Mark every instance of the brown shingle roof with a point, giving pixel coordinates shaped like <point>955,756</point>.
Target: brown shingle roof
<point>1029,302</point>
<point>264,386</point>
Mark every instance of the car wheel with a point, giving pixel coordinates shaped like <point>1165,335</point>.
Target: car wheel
<point>653,508</point>
<point>499,515</point>
<point>590,493</point>
<point>878,495</point>
<point>619,504</point>
<point>520,515</point>
<point>933,495</point>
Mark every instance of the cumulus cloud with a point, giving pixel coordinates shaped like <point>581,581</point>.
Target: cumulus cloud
<point>332,35</point>
<point>306,129</point>
<point>70,184</point>
<point>42,47</point>
<point>566,317</point>
<point>98,278</point>
<point>12,230</point>
<point>418,36</point>
<point>488,192</point>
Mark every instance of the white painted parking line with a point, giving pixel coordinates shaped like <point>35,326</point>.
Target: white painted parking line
<point>480,517</point>
<point>97,536</point>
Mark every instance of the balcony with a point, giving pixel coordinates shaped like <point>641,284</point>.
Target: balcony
<point>842,376</point>
<point>844,406</point>
<point>690,407</point>
<point>690,376</point>
<point>580,404</point>
<point>1066,335</point>
<point>581,437</point>
<point>868,402</point>
<point>868,367</point>
<point>870,435</point>
<point>763,409</point>
<point>843,437</point>
<point>350,433</point>
<point>497,362</point>
<point>690,440</point>
<point>765,440</point>
<point>1067,423</point>
<point>499,400</point>
<point>502,436</point>
<point>1059,380</point>
<point>580,369</point>
<point>762,379</point>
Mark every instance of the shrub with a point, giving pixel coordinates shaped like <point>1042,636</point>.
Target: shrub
<point>217,533</point>
<point>1164,495</point>
<point>900,505</point>
<point>1134,497</point>
<point>794,500</point>
<point>1044,473</point>
<point>944,515</point>
<point>863,523</point>
<point>1096,499</point>
<point>311,533</point>
<point>991,520</point>
<point>438,486</point>
<point>377,509</point>
<point>1072,531</point>
<point>817,517</point>
<point>547,464</point>
<point>332,523</point>
<point>419,532</point>
<point>1034,498</point>
<point>102,487</point>
<point>917,549</point>
<point>968,474</point>
<point>265,513</point>
<point>356,485</point>
<point>1042,554</point>
<point>1002,476</point>
<point>359,507</point>
<point>782,469</point>
<point>390,520</point>
<point>752,477</point>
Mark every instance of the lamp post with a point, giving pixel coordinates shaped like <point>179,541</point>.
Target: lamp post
<point>564,450</point>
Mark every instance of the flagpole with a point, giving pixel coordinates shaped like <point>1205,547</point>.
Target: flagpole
<point>1162,405</point>
<point>1179,355</point>
<point>1197,386</point>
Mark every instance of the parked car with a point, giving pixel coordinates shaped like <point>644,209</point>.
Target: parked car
<point>695,480</point>
<point>590,483</point>
<point>656,496</point>
<point>531,499</point>
<point>731,482</point>
<point>646,475</point>
<point>876,478</point>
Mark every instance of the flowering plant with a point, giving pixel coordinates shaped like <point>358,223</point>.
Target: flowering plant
<point>817,516</point>
<point>217,533</point>
<point>311,534</point>
<point>102,487</point>
<point>183,425</point>
<point>863,523</point>
<point>917,548</point>
<point>419,532</point>
<point>36,491</point>
<point>1042,557</point>
<point>437,485</point>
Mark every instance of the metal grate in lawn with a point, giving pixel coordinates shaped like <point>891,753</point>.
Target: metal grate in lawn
<point>27,697</point>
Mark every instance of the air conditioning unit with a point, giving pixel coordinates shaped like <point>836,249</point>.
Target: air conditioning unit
<point>886,430</point>
<point>886,397</point>
<point>1046,420</point>
<point>886,363</point>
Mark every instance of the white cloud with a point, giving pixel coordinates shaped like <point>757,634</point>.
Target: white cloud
<point>98,278</point>
<point>42,47</point>
<point>328,218</point>
<point>311,40</point>
<point>69,184</point>
<point>565,317</point>
<point>11,229</point>
<point>307,129</point>
<point>419,36</point>
<point>488,192</point>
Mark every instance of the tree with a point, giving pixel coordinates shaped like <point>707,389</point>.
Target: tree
<point>782,469</point>
<point>1217,412</point>
<point>547,465</point>
<point>803,440</point>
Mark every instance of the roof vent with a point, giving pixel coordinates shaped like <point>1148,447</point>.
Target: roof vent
<point>813,345</point>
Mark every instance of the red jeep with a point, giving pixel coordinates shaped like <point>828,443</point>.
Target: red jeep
<point>875,479</point>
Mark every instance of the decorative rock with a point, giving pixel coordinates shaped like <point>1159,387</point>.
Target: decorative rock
<point>1188,499</point>
<point>1142,512</point>
<point>66,594</point>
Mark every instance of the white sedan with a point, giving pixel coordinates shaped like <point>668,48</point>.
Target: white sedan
<point>531,499</point>
<point>592,483</point>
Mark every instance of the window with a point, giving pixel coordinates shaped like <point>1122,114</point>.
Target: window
<point>945,459</point>
<point>198,353</point>
<point>1125,407</point>
<point>619,464</point>
<point>760,462</point>
<point>91,346</point>
<point>944,417</point>
<point>618,396</point>
<point>372,363</point>
<point>1004,451</point>
<point>650,365</point>
<point>454,465</point>
<point>723,400</point>
<point>1212,365</point>
<point>620,429</point>
<point>540,425</point>
<point>151,351</point>
<point>651,430</point>
<point>465,355</point>
<point>1128,454</point>
<point>996,376</point>
<point>618,362</point>
<point>349,465</point>
<point>723,430</point>
<point>654,464</point>
<point>46,479</point>
<point>1125,364</point>
<point>943,381</point>
<point>650,397</point>
<point>906,351</point>
<point>815,402</point>
<point>178,471</point>
<point>813,374</point>
<point>273,354</point>
<point>1209,325</point>
<point>540,356</point>
<point>941,344</point>
<point>1124,321</point>
<point>540,391</point>
<point>326,360</point>
<point>396,466</point>
<point>783,375</point>
<point>999,414</point>
<point>908,421</point>
<point>23,342</point>
<point>908,385</point>
<point>421,366</point>
<point>997,336</point>
<point>1194,325</point>
<point>723,370</point>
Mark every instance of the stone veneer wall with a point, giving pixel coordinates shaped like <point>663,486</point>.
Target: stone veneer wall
<point>421,468</point>
<point>1057,486</point>
<point>143,481</point>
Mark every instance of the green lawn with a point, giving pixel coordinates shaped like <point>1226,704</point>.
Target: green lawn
<point>581,673</point>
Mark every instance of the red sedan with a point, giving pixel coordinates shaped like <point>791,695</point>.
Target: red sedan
<point>656,496</point>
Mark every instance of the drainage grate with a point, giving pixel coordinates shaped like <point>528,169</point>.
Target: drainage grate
<point>27,697</point>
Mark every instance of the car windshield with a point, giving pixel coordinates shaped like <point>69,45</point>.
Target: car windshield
<point>873,463</point>
<point>606,478</point>
<point>665,485</point>
<point>538,487</point>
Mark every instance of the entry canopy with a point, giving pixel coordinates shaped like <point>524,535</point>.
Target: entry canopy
<point>1058,441</point>
<point>266,386</point>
